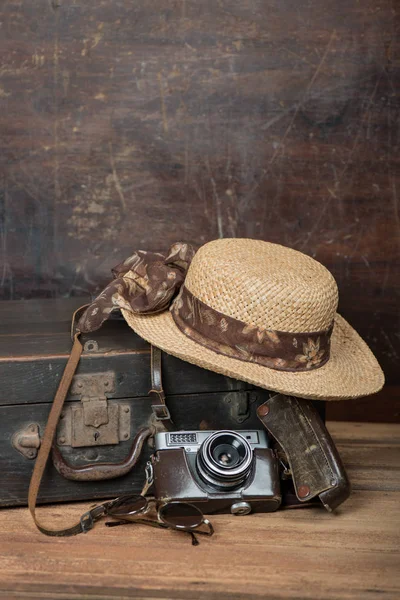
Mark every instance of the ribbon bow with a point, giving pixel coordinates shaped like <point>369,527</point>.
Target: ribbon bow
<point>144,283</point>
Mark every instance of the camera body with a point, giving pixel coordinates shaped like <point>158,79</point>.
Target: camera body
<point>218,471</point>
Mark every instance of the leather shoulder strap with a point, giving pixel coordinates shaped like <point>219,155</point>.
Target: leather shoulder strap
<point>156,372</point>
<point>45,447</point>
<point>157,395</point>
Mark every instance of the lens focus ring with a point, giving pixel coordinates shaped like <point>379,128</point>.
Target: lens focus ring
<point>224,459</point>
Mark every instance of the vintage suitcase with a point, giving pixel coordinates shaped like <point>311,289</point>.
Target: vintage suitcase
<point>34,346</point>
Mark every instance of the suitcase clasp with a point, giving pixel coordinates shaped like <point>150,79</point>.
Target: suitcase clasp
<point>240,404</point>
<point>94,421</point>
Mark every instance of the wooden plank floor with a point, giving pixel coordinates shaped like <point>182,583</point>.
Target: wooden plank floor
<point>295,554</point>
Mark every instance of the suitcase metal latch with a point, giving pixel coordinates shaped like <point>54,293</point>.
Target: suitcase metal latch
<point>95,420</point>
<point>240,404</point>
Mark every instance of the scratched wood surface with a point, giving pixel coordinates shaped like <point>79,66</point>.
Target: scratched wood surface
<point>298,554</point>
<point>126,125</point>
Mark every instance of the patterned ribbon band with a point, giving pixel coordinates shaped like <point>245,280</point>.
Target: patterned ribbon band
<point>225,335</point>
<point>148,283</point>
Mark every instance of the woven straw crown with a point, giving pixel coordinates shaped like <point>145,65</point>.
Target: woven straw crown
<point>267,285</point>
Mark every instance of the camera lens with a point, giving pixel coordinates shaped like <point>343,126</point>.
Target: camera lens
<point>224,459</point>
<point>226,456</point>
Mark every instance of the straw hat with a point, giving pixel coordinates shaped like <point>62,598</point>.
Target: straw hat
<point>248,309</point>
<point>270,289</point>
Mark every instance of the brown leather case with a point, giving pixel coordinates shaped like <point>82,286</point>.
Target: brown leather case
<point>314,461</point>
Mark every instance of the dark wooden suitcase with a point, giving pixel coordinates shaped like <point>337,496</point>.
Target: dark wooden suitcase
<point>34,346</point>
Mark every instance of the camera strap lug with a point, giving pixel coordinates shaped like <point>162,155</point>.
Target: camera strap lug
<point>149,473</point>
<point>149,478</point>
<point>286,472</point>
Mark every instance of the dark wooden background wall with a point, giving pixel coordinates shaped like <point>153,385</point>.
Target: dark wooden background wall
<point>133,124</point>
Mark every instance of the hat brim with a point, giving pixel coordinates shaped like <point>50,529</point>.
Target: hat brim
<point>351,372</point>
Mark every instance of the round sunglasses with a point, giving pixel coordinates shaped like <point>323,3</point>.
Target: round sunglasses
<point>181,516</point>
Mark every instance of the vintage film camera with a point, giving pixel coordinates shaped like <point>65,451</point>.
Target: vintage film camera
<point>218,471</point>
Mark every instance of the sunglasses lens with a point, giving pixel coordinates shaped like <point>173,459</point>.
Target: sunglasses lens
<point>128,505</point>
<point>181,515</point>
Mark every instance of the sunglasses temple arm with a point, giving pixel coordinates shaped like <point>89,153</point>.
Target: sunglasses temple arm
<point>195,541</point>
<point>115,523</point>
<point>137,521</point>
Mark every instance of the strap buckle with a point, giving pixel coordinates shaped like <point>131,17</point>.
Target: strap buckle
<point>161,412</point>
<point>89,518</point>
<point>87,521</point>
